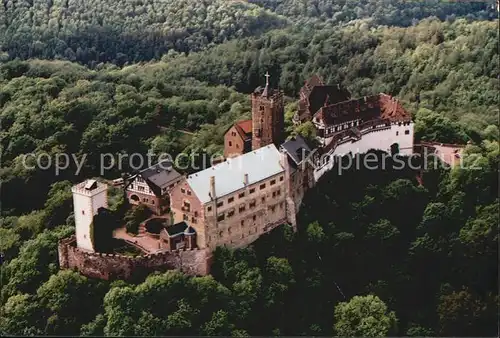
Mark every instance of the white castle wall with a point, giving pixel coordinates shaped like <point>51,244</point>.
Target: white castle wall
<point>86,203</point>
<point>379,139</point>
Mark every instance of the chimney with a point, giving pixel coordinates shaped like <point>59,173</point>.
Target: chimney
<point>212,187</point>
<point>245,179</point>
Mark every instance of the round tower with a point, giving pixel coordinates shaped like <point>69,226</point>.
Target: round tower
<point>88,197</point>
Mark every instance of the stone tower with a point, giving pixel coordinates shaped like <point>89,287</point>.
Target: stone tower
<point>88,198</point>
<point>268,115</point>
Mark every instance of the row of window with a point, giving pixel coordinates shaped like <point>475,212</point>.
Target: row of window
<point>194,220</point>
<point>231,144</point>
<point>146,200</point>
<point>242,208</point>
<point>243,223</point>
<point>187,192</point>
<point>243,194</point>
<point>140,188</point>
<point>407,132</point>
<point>343,126</point>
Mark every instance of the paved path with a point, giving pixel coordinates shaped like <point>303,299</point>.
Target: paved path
<point>148,244</point>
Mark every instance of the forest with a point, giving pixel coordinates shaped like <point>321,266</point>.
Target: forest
<point>87,78</point>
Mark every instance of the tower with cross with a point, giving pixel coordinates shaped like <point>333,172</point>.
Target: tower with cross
<point>268,115</point>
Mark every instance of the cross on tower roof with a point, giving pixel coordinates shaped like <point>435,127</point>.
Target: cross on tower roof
<point>267,78</point>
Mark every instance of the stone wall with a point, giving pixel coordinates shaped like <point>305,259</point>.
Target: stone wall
<point>112,266</point>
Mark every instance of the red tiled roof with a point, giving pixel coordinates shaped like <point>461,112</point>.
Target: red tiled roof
<point>380,106</point>
<point>244,129</point>
<point>245,125</point>
<point>392,109</point>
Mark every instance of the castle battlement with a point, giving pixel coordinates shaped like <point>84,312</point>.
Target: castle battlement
<point>108,266</point>
<point>89,188</point>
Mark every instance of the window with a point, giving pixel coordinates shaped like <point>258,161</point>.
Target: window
<point>141,188</point>
<point>230,143</point>
<point>233,133</point>
<point>262,186</point>
<point>220,204</point>
<point>196,214</point>
<point>221,234</point>
<point>152,201</point>
<point>185,217</point>
<point>281,178</point>
<point>189,192</point>
<point>278,192</point>
<point>407,132</point>
<point>254,217</point>
<point>237,146</point>
<point>241,208</point>
<point>194,220</point>
<point>83,212</point>
<point>230,200</point>
<point>242,222</point>
<point>252,190</point>
<point>183,190</point>
<point>241,195</point>
<point>261,108</point>
<point>397,133</point>
<point>221,217</point>
<point>272,208</point>
<point>140,180</point>
<point>230,213</point>
<point>209,209</point>
<point>186,206</point>
<point>273,182</point>
<point>282,205</point>
<point>263,199</point>
<point>229,230</point>
<point>252,204</point>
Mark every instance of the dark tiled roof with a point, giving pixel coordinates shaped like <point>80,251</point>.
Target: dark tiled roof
<point>161,174</point>
<point>176,229</point>
<point>297,149</point>
<point>321,96</point>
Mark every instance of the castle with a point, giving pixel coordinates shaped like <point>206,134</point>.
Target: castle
<point>258,187</point>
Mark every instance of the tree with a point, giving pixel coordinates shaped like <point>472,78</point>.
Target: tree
<point>20,316</point>
<point>461,313</point>
<point>218,325</point>
<point>364,316</point>
<point>70,300</point>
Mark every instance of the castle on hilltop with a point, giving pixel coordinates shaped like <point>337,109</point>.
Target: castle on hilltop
<point>343,125</point>
<point>258,187</point>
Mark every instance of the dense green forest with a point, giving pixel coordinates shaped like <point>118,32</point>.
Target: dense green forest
<point>399,258</point>
<point>381,12</point>
<point>118,31</point>
<point>121,31</point>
